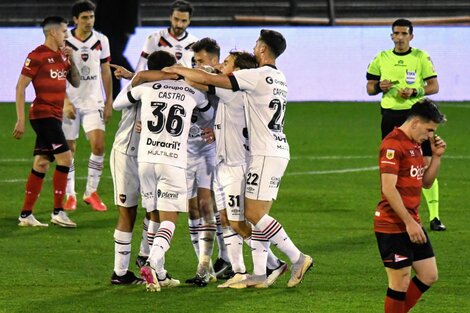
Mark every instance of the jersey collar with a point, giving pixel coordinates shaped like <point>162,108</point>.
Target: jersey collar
<point>73,34</point>
<point>185,34</point>
<point>402,53</point>
<point>270,65</point>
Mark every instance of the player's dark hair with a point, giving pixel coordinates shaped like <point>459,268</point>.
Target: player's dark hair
<point>403,22</point>
<point>53,20</point>
<point>427,110</point>
<point>83,6</point>
<point>182,6</point>
<point>208,44</point>
<point>160,59</point>
<point>274,40</point>
<point>243,60</point>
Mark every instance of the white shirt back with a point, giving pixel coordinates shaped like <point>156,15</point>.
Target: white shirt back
<point>126,139</point>
<point>167,106</point>
<point>265,98</point>
<point>163,40</point>
<point>88,56</point>
<point>230,130</point>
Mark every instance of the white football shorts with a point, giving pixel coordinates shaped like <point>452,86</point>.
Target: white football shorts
<point>263,177</point>
<point>125,174</point>
<point>90,119</point>
<point>229,190</point>
<point>163,187</point>
<point>200,172</point>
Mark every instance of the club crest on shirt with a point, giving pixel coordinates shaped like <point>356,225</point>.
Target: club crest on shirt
<point>27,62</point>
<point>178,55</point>
<point>390,154</point>
<point>85,57</point>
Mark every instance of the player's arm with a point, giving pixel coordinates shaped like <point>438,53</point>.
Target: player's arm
<point>431,87</point>
<point>201,77</point>
<point>121,72</point>
<point>376,86</point>
<point>389,190</point>
<point>127,98</point>
<point>21,85</point>
<point>73,76</point>
<point>151,76</point>
<point>108,90</point>
<point>438,147</point>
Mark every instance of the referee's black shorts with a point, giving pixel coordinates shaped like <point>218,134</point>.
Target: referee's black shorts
<point>50,138</point>
<point>394,118</point>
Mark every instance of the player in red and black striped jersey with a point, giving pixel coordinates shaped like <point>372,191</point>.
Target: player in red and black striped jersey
<point>402,241</point>
<point>47,67</point>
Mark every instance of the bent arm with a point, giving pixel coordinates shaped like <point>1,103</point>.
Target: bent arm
<point>201,77</point>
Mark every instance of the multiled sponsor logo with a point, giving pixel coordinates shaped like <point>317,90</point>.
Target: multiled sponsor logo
<point>58,74</point>
<point>274,182</point>
<point>167,195</point>
<point>417,171</point>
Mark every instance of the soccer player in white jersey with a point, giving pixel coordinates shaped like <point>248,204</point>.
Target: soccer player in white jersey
<point>162,157</point>
<point>175,40</point>
<point>265,94</point>
<point>124,170</point>
<point>86,105</point>
<point>232,146</point>
<point>203,218</point>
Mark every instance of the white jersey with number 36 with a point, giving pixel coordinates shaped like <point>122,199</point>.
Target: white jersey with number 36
<point>166,111</point>
<point>265,97</point>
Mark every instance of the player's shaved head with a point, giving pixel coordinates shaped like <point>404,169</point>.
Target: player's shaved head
<point>274,40</point>
<point>160,59</point>
<point>52,22</point>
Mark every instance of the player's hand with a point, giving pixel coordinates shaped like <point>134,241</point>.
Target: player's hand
<point>208,135</point>
<point>121,72</point>
<point>138,127</point>
<point>438,145</point>
<point>18,131</point>
<point>108,110</point>
<point>405,93</point>
<point>67,51</point>
<point>385,85</point>
<point>416,233</point>
<point>69,109</point>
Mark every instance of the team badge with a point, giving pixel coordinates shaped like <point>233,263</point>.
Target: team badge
<point>27,62</point>
<point>390,154</point>
<point>178,55</point>
<point>85,57</point>
<point>122,198</point>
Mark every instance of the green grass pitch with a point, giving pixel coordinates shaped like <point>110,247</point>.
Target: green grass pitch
<point>326,204</point>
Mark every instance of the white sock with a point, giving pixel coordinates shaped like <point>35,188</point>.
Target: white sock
<point>206,243</point>
<point>223,254</point>
<point>273,230</point>
<point>95,169</point>
<point>144,249</point>
<point>151,232</point>
<point>122,251</point>
<point>161,244</point>
<point>194,233</point>
<point>234,244</point>
<point>70,189</point>
<point>259,251</point>
<point>273,261</point>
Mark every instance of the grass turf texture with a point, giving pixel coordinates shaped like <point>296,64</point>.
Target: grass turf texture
<point>326,204</point>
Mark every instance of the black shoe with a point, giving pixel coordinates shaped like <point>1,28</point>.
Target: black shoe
<point>190,280</point>
<point>140,261</point>
<point>437,225</point>
<point>229,273</point>
<point>220,267</point>
<point>127,279</point>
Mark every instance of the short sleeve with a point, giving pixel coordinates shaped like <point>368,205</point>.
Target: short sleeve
<point>389,157</point>
<point>373,70</point>
<point>31,66</point>
<point>428,67</point>
<point>105,50</point>
<point>244,79</point>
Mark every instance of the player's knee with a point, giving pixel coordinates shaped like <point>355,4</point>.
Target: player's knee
<point>41,165</point>
<point>429,279</point>
<point>98,149</point>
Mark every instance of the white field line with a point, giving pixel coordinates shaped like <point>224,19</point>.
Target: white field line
<point>331,157</point>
